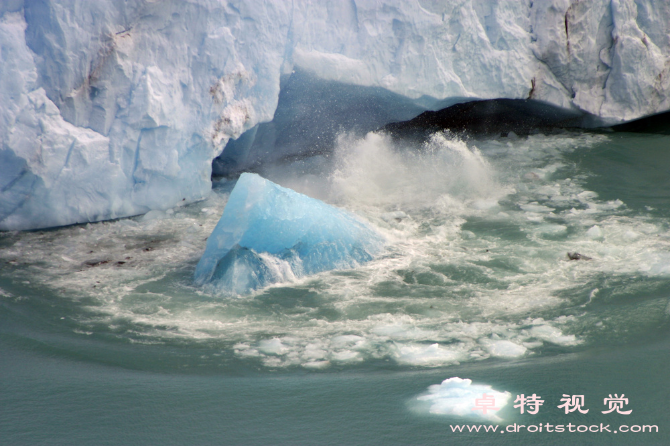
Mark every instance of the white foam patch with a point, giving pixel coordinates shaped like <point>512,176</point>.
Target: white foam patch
<point>461,398</point>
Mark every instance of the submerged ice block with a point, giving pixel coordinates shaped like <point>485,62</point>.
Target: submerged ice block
<point>269,234</point>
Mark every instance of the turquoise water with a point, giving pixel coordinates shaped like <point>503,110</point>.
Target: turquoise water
<point>105,340</point>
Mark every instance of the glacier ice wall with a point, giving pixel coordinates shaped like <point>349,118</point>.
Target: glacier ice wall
<point>110,109</point>
<point>270,234</point>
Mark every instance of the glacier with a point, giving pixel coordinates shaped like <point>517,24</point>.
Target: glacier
<point>269,234</point>
<point>111,109</point>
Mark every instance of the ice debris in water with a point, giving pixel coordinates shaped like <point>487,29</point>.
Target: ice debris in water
<point>269,234</point>
<point>457,397</point>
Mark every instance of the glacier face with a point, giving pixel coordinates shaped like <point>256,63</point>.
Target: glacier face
<point>270,234</point>
<point>110,109</point>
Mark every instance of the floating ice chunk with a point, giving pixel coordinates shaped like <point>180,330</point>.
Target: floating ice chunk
<point>347,356</point>
<point>316,365</point>
<point>400,332</point>
<point>347,341</point>
<point>272,346</point>
<point>595,233</point>
<point>314,352</point>
<point>432,355</point>
<point>553,335</point>
<point>534,207</point>
<point>657,264</point>
<point>269,234</point>
<point>587,195</point>
<point>504,349</point>
<point>551,229</point>
<point>631,236</point>
<point>457,397</point>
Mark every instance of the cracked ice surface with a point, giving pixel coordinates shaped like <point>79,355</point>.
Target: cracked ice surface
<point>110,109</point>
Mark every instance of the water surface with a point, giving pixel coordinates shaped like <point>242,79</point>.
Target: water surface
<point>105,340</point>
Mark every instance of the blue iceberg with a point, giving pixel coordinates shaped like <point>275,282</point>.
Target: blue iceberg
<point>269,234</point>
